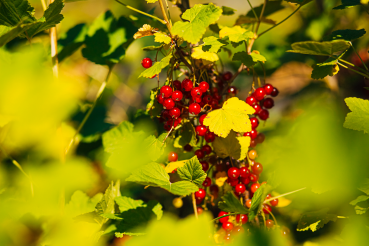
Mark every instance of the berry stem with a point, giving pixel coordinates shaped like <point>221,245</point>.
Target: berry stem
<point>167,22</point>
<point>165,139</point>
<point>275,220</point>
<point>225,216</point>
<point>355,71</point>
<point>348,63</point>
<point>194,205</point>
<point>285,194</point>
<point>359,56</point>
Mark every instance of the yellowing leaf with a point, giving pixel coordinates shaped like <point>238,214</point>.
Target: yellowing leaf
<point>235,34</point>
<point>145,30</point>
<point>220,181</point>
<point>245,143</point>
<point>232,116</point>
<point>162,38</point>
<point>174,165</point>
<point>151,1</point>
<point>282,201</point>
<point>198,53</point>
<point>233,146</point>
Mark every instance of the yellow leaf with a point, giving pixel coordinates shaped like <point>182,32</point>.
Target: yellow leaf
<point>5,119</point>
<point>162,38</point>
<point>145,30</point>
<point>151,1</point>
<point>220,181</point>
<point>235,34</point>
<point>232,116</point>
<point>174,165</point>
<point>312,227</point>
<point>245,144</point>
<point>198,53</point>
<point>364,1</point>
<point>282,201</point>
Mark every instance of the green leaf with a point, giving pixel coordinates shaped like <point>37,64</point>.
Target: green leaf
<point>214,28</point>
<point>7,34</point>
<point>364,187</point>
<point>155,175</point>
<point>199,17</point>
<point>358,119</point>
<point>15,12</point>
<point>231,204</point>
<point>320,72</point>
<point>152,48</point>
<point>348,4</point>
<point>107,39</point>
<point>112,139</point>
<point>71,41</point>
<point>347,34</point>
<point>271,8</point>
<point>126,203</point>
<point>80,203</point>
<point>257,201</point>
<point>157,67</point>
<point>236,34</point>
<point>107,204</point>
<point>232,146</point>
<point>192,171</point>
<point>362,198</point>
<point>187,135</point>
<point>326,48</point>
<point>315,220</point>
<point>360,210</point>
<point>228,10</point>
<point>154,146</point>
<point>199,53</point>
<point>213,44</point>
<point>154,108</point>
<point>162,38</point>
<point>248,59</point>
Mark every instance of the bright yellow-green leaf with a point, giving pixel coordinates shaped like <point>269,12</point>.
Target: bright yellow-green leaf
<point>245,144</point>
<point>151,1</point>
<point>157,67</point>
<point>198,53</point>
<point>232,116</point>
<point>235,34</point>
<point>174,165</point>
<point>162,38</point>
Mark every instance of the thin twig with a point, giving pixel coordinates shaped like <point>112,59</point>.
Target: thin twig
<point>256,16</point>
<point>194,205</point>
<point>285,194</point>
<point>355,71</point>
<point>54,48</point>
<point>168,23</point>
<point>143,13</point>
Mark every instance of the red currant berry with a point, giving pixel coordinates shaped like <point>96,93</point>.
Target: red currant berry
<point>259,93</point>
<point>201,119</point>
<point>175,112</point>
<point>275,92</point>
<point>263,114</point>
<point>165,114</point>
<point>146,62</point>
<point>217,97</point>
<point>195,100</point>
<point>242,218</point>
<point>204,86</point>
<point>228,226</point>
<point>269,223</point>
<point>194,108</point>
<point>206,99</point>
<point>168,103</point>
<point>253,177</point>
<point>177,96</point>
<point>153,76</point>
<point>214,189</point>
<point>240,188</point>
<point>245,181</point>
<point>232,90</point>
<point>214,103</point>
<point>187,85</point>
<point>244,172</point>
<point>257,108</point>
<point>257,168</point>
<point>200,194</point>
<point>172,156</point>
<point>253,144</point>
<point>187,148</point>
<point>207,149</point>
<point>167,126</point>
<point>232,182</point>
<point>201,130</point>
<point>233,173</point>
<point>224,219</point>
<point>248,203</point>
<point>196,93</point>
<point>160,99</point>
<point>274,202</point>
<point>238,229</point>
<point>199,153</point>
<point>227,76</point>
<point>200,210</point>
<point>205,165</point>
<point>254,122</point>
<point>254,187</point>
<point>207,182</point>
<point>260,138</point>
<point>177,84</point>
<point>268,89</point>
<point>267,209</point>
<point>268,197</point>
<point>251,100</point>
<point>253,134</point>
<point>268,103</point>
<point>210,136</point>
<point>166,91</point>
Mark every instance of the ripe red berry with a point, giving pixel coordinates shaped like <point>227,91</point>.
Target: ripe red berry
<point>227,76</point>
<point>232,182</point>
<point>206,99</point>
<point>267,209</point>
<point>263,114</point>
<point>254,122</point>
<point>268,103</point>
<point>168,103</point>
<point>214,189</point>
<point>214,103</point>
<point>196,92</point>
<point>257,168</point>
<point>240,188</point>
<point>259,93</point>
<point>275,92</point>
<point>194,108</point>
<point>232,90</point>
<point>200,194</point>
<point>257,108</point>
<point>268,89</point>
<point>207,149</point>
<point>244,172</point>
<point>187,85</point>
<point>187,147</point>
<point>168,126</point>
<point>274,202</point>
<point>175,112</point>
<point>210,136</point>
<point>172,156</point>
<point>252,134</point>
<point>204,86</point>
<point>165,114</point>
<point>177,96</point>
<point>260,138</point>
<point>201,130</point>
<point>224,219</point>
<point>233,173</point>
<point>217,97</point>
<point>253,177</point>
<point>205,165</point>
<point>207,182</point>
<point>245,181</point>
<point>242,218</point>
<point>177,84</point>
<point>160,99</point>
<point>269,223</point>
<point>201,119</point>
<point>146,62</point>
<point>200,154</point>
<point>228,226</point>
<point>248,203</point>
<point>153,76</point>
<point>166,91</point>
<point>251,100</point>
<point>254,187</point>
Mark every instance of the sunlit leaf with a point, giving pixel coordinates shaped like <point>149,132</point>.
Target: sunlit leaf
<point>174,165</point>
<point>236,33</point>
<point>80,203</point>
<point>315,220</point>
<point>162,38</point>
<point>213,44</point>
<point>248,59</point>
<point>326,48</point>
<point>154,108</point>
<point>126,203</point>
<point>15,12</point>
<point>144,31</point>
<point>358,119</point>
<point>107,205</point>
<point>198,53</point>
<point>362,198</point>
<point>157,67</point>
<point>155,146</point>
<point>192,171</point>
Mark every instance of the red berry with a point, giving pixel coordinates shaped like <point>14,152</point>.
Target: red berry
<point>232,182</point>
<point>269,223</point>
<point>196,100</point>
<point>268,103</point>
<point>206,99</point>
<point>146,62</point>
<point>200,210</point>
<point>177,84</point>
<point>244,172</point>
<point>153,76</point>
<point>160,99</point>
<point>275,92</point>
<point>233,173</point>
<point>241,218</point>
<point>165,114</point>
<point>227,76</point>
<point>217,97</point>
<point>260,138</point>
<point>214,189</point>
<point>232,90</point>
<point>177,96</point>
<point>210,136</point>
<point>205,165</point>
<point>268,89</point>
<point>166,91</point>
<point>245,181</point>
<point>172,156</point>
<point>207,149</point>
<point>248,203</point>
<point>259,93</point>
<point>196,92</point>
<point>240,188</point>
<point>207,182</point>
<point>204,86</point>
<point>257,168</point>
<point>224,219</point>
<point>194,108</point>
<point>214,103</point>
<point>238,229</point>
<point>201,119</point>
<point>175,112</point>
<point>200,194</point>
<point>187,147</point>
<point>200,154</point>
<point>253,177</point>
<point>257,108</point>
<point>201,130</point>
<point>267,209</point>
<point>167,126</point>
<point>187,85</point>
<point>228,226</point>
<point>253,134</point>
<point>168,103</point>
<point>251,100</point>
<point>254,122</point>
<point>274,202</point>
<point>263,114</point>
<point>254,187</point>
